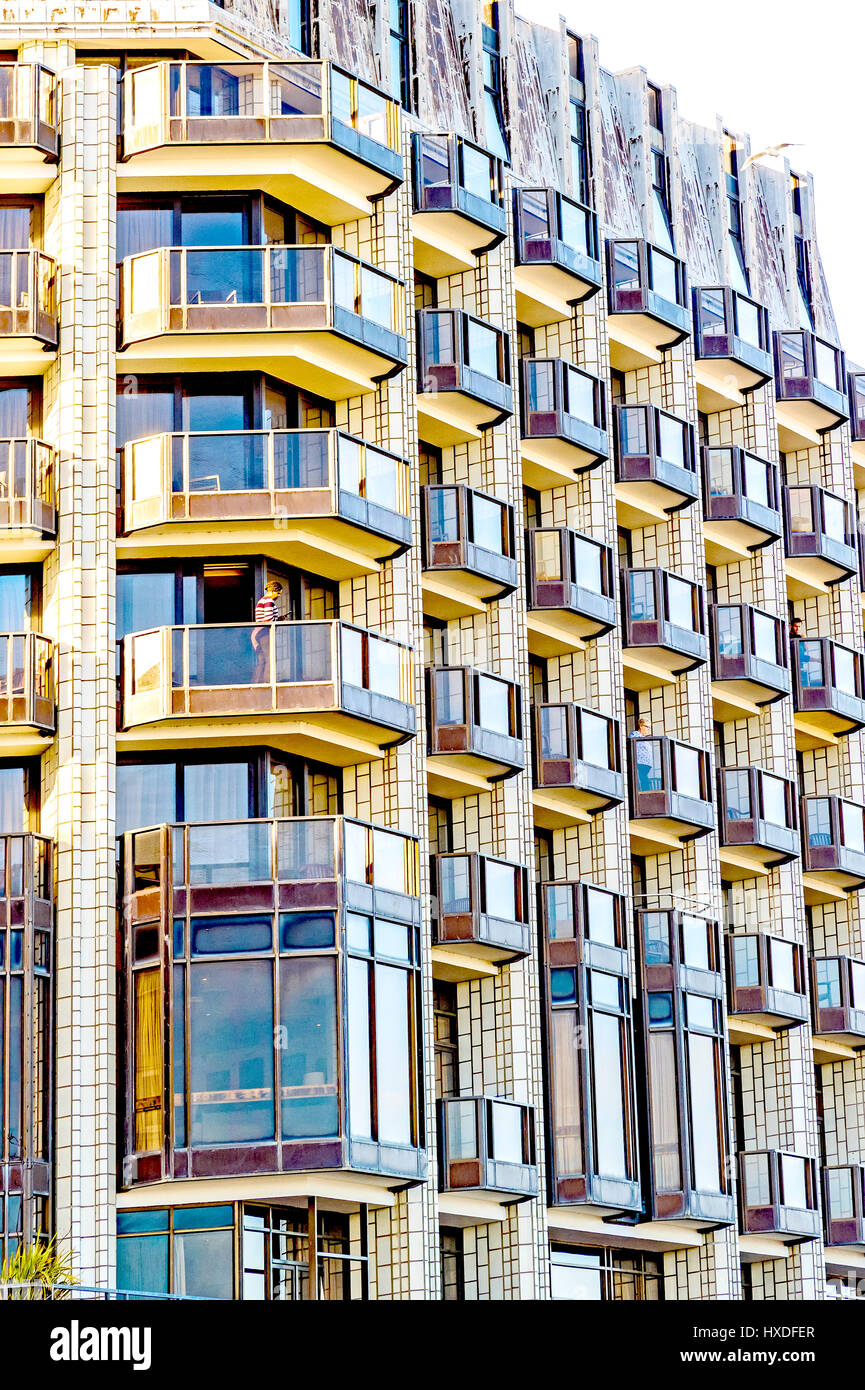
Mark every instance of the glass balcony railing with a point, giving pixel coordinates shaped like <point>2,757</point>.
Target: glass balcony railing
<point>564,421</point>
<point>819,533</point>
<point>811,378</point>
<point>741,496</point>
<point>757,820</point>
<point>833,840</point>
<point>645,280</point>
<point>27,683</point>
<point>656,456</point>
<point>734,330</point>
<point>749,652</point>
<point>27,486</point>
<point>844,1204</point>
<point>248,475</point>
<point>778,1195</point>
<point>28,108</point>
<point>297,102</point>
<point>488,1146</point>
<point>248,669</point>
<point>454,176</point>
<point>461,355</point>
<point>240,935</point>
<point>576,760</point>
<point>828,684</point>
<point>28,296</point>
<point>556,253</point>
<point>766,979</point>
<point>481,904</point>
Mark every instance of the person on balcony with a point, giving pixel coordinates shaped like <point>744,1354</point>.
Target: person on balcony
<point>266,612</point>
<point>644,756</point>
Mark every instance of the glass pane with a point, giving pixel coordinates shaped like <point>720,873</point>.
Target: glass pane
<point>462,1130</point>
<point>580,396</point>
<point>755,1176</point>
<point>595,734</point>
<point>746,961</point>
<point>665,280</point>
<point>819,821</point>
<point>478,173</point>
<point>626,265</point>
<point>825,364</point>
<point>783,957</point>
<point>384,668</point>
<point>828,976</point>
<point>308,1047</point>
<point>235,853</point>
<point>588,565</point>
<point>672,440</point>
<point>601,916</point>
<point>567,1117</point>
<point>547,551</point>
<point>687,766</point>
<point>721,472</point>
<point>554,732</point>
<point>680,603</point>
<point>507,1133</point>
<point>305,850</point>
<point>748,322</point>
<point>449,698</point>
<point>482,349</point>
<point>656,938</point>
<point>561,923</point>
<point>737,789</point>
<point>501,890</point>
<point>204,1264</point>
<point>839,1193</point>
<point>799,502</point>
<point>454,876</point>
<point>765,634</point>
<point>494,705</point>
<point>810,663</point>
<point>852,827</point>
<point>487,516</point>
<point>728,626</point>
<point>642,595</point>
<point>393,1055</point>
<point>774,796</point>
<point>359,1091</point>
<point>844,662</point>
<point>648,762</point>
<point>794,1182</point>
<point>756,477</point>
<point>231,1052</point>
<point>664,1106</point>
<point>695,942</point>
<point>575,227</point>
<point>388,861</point>
<point>609,1093</point>
<point>703,1086</point>
<point>835,517</point>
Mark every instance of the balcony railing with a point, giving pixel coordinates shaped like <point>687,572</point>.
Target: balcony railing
<point>27,486</point>
<point>810,379</point>
<point>838,995</point>
<point>240,935</point>
<point>279,475</point>
<point>296,102</point>
<point>28,297</point>
<point>669,786</point>
<point>28,108</point>
<point>655,457</point>
<point>470,535</point>
<point>844,1204</point>
<point>828,685</point>
<point>733,331</point>
<point>819,534</point>
<point>488,1146</point>
<point>457,179</point>
<point>564,423</point>
<point>756,820</point>
<point>557,256</point>
<point>27,682</point>
<point>646,282</point>
<point>833,840</point>
<point>857,406</point>
<point>571,594</point>
<point>778,1195</point>
<point>290,668</point>
<point>476,719</point>
<point>766,979</point>
<point>749,654</point>
<point>577,762</point>
<point>465,361</point>
<point>481,904</point>
<point>663,621</point>
<point>741,498</point>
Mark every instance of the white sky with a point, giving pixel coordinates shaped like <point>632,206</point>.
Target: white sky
<point>780,69</point>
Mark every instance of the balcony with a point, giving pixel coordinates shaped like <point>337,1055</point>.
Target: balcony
<point>591,1106</point>
<point>564,423</point>
<point>27,713</point>
<point>304,928</point>
<point>324,690</point>
<point>311,315</point>
<point>828,691</point>
<point>571,596</point>
<point>741,504</point>
<point>487,1149</point>
<point>557,262</point>
<point>29,137</point>
<point>757,825</point>
<point>749,660</point>
<point>306,132</point>
<point>656,470</point>
<point>26,1019</point>
<point>577,764</point>
<point>732,347</point>
<point>475,730</point>
<point>28,312</point>
<point>648,301</point>
<point>28,515</point>
<point>844,1204</point>
<point>838,996</point>
<point>857,426</point>
<point>459,210</point>
<point>833,848</point>
<point>663,628</point>
<point>469,550</point>
<point>464,376</point>
<point>819,540</point>
<point>319,499</point>
<point>670,794</point>
<point>766,985</point>
<point>778,1195</point>
<point>480,913</point>
<point>810,389</point>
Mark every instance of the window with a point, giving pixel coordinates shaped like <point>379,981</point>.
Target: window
<point>278,1259</point>
<point>446,1035</point>
<point>299,26</point>
<point>453,1281</point>
<point>184,1251</point>
<point>400,54</point>
<point>594,1274</point>
<point>494,120</point>
<point>738,270</point>
<point>579,145</point>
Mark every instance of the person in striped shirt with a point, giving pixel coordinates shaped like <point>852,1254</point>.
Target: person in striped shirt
<point>266,612</point>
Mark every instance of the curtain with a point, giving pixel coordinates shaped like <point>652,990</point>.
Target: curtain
<point>148,1060</point>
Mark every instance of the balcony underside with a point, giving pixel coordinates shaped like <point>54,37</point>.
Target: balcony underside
<point>458,593</point>
<point>836,1047</point>
<point>722,383</point>
<point>752,1030</point>
<point>25,170</point>
<point>647,667</point>
<point>809,576</point>
<point>329,736</point>
<point>820,729</point>
<point>453,417</point>
<point>586,1225</point>
<point>829,885</point>
<point>318,179</point>
<point>741,699</point>
<point>646,503</point>
<point>449,243</point>
<point>475,1207</point>
<point>638,340</point>
<point>549,462</point>
<point>457,963</point>
<point>318,361</point>
<point>728,542</point>
<point>24,545</point>
<point>800,424</point>
<point>23,354</point>
<point>556,807</point>
<point>342,1188</point>
<point>555,631</point>
<point>453,775</point>
<point>328,546</point>
<point>857,454</point>
<point>749,861</point>
<point>547,293</point>
<point>661,834</point>
<point>24,740</point>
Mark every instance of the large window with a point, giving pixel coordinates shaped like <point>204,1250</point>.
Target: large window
<point>401,54</point>
<point>494,119</point>
<point>592,1274</point>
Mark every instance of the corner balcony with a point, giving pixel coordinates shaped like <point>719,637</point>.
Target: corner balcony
<point>648,303</point>
<point>557,260</point>
<point>27,712</point>
<point>27,1018</point>
<point>29,136</point>
<point>487,1151</point>
<point>732,347</point>
<point>766,985</point>
<point>459,210</point>
<point>475,730</point>
<point>810,389</point>
<point>838,996</point>
<point>28,312</point>
<point>563,422</point>
<point>319,499</point>
<point>323,690</point>
<point>670,794</point>
<point>750,660</point>
<point>577,765</point>
<point>571,598</point>
<point>819,540</point>
<point>663,628</point>
<point>857,426</point>
<point>469,550</point>
<point>757,825</point>
<point>828,691</point>
<point>464,376</point>
<point>28,514</point>
<point>844,1204</point>
<point>311,315</point>
<point>303,929</point>
<point>656,469</point>
<point>480,914</point>
<point>741,504</point>
<point>778,1195</point>
<point>306,132</point>
<point>833,848</point>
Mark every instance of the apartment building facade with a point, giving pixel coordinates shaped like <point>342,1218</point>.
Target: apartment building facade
<point>432,779</point>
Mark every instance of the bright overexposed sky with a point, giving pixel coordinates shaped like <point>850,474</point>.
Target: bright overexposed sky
<point>782,71</point>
